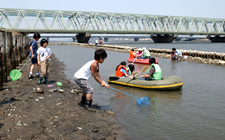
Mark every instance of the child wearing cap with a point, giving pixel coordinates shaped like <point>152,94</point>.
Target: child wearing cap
<point>139,53</point>
<point>146,53</point>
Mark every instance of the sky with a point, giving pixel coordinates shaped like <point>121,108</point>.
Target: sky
<point>186,8</point>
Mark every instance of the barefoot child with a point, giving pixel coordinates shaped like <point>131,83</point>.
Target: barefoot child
<point>43,57</point>
<point>88,70</point>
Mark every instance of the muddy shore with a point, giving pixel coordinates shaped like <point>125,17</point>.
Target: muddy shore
<point>26,114</point>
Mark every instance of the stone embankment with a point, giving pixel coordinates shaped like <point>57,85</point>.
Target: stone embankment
<point>188,55</point>
<point>14,48</point>
<point>193,55</point>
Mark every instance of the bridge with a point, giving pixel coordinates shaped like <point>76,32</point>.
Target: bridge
<point>108,37</point>
<point>159,28</point>
<point>105,37</point>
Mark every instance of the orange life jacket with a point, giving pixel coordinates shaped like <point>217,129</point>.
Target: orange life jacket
<point>131,54</point>
<point>120,73</point>
<point>156,61</point>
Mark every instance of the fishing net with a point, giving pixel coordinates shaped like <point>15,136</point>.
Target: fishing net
<point>145,101</point>
<point>15,75</point>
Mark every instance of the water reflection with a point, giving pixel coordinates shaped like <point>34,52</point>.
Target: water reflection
<point>188,113</point>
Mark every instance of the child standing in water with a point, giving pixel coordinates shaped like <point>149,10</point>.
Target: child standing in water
<point>88,70</point>
<point>43,57</point>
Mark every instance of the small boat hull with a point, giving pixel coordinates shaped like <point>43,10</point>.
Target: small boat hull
<point>138,61</point>
<point>167,83</point>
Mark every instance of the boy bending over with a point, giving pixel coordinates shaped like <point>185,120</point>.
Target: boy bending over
<point>88,70</point>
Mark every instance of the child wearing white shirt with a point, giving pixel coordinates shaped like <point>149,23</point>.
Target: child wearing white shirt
<point>43,57</point>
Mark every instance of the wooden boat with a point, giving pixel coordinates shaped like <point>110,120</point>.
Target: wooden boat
<point>166,83</point>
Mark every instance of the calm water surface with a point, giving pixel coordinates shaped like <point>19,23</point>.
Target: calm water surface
<point>196,112</point>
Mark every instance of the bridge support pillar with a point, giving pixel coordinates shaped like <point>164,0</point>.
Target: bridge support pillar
<point>216,38</point>
<point>163,38</point>
<point>106,39</point>
<point>83,37</point>
<point>136,39</point>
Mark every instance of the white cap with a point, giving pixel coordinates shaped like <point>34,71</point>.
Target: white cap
<point>144,48</point>
<point>140,49</point>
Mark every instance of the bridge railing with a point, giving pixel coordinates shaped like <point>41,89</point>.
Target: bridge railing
<point>46,21</point>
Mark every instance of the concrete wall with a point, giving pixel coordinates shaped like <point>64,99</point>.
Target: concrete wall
<point>14,48</point>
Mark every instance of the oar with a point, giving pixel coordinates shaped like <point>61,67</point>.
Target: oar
<point>142,101</point>
<point>138,73</point>
<point>144,69</point>
<point>134,60</point>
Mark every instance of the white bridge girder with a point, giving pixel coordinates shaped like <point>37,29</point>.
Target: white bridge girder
<point>45,21</point>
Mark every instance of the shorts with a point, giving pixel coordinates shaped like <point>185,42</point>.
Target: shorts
<point>34,60</point>
<point>84,85</point>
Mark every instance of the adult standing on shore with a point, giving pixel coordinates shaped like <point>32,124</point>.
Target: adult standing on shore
<point>96,42</point>
<point>33,54</point>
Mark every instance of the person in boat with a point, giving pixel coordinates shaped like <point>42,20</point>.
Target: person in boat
<point>155,71</point>
<point>146,53</point>
<point>132,54</point>
<point>121,70</point>
<point>177,54</point>
<point>130,70</point>
<point>139,53</point>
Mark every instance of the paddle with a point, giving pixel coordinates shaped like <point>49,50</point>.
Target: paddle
<point>16,74</point>
<point>138,73</point>
<point>134,60</point>
<point>144,69</point>
<point>142,101</point>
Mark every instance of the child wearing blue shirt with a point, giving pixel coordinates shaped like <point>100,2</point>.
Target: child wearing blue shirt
<point>33,54</point>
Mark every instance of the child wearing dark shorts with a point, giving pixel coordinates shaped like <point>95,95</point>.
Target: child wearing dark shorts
<point>33,54</point>
<point>88,70</point>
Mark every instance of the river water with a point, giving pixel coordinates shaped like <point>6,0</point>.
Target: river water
<point>196,112</point>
